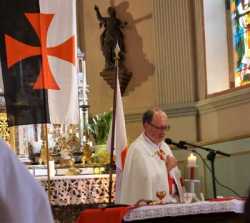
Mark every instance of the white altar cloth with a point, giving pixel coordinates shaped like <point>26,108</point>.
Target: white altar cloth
<point>171,210</point>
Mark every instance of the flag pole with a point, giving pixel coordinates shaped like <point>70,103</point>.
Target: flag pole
<point>46,140</point>
<point>117,50</point>
<point>45,129</point>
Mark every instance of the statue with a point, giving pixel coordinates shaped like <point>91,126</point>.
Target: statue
<point>111,35</point>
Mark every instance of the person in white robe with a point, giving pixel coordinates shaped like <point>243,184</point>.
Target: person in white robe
<point>22,199</point>
<point>148,161</point>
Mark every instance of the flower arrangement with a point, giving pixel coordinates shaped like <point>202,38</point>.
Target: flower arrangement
<point>99,126</point>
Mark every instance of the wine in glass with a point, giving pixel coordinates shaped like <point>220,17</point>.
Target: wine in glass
<point>161,195</point>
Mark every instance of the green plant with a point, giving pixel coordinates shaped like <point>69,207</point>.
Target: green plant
<point>99,126</point>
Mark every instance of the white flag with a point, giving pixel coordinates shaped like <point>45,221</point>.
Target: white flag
<point>63,103</point>
<point>120,141</point>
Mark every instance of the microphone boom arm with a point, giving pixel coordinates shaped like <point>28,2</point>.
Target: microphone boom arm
<point>204,148</point>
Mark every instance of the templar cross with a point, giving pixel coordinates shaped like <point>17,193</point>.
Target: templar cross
<point>17,51</point>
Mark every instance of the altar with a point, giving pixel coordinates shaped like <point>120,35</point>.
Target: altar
<point>71,194</point>
<point>78,190</point>
<point>205,211</point>
<point>211,211</point>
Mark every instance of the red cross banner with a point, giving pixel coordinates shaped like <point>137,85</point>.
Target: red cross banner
<point>38,61</point>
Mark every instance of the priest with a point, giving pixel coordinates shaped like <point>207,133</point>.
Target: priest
<point>22,199</point>
<point>148,162</point>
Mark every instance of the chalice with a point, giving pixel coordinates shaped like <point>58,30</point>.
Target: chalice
<point>161,195</point>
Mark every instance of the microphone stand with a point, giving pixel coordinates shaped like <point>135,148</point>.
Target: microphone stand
<point>211,157</point>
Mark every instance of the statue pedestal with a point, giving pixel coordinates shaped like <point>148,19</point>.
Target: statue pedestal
<point>124,78</point>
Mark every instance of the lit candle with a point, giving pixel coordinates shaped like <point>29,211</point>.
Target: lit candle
<point>191,164</point>
<point>191,161</point>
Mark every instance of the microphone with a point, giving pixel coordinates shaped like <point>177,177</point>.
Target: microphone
<point>179,145</point>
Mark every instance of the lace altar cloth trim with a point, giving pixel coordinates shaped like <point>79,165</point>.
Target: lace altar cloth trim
<point>171,210</point>
<point>76,190</point>
<point>45,178</point>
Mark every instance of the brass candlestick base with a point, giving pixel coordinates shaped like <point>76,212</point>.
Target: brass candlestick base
<point>72,169</point>
<point>86,154</point>
<point>43,154</point>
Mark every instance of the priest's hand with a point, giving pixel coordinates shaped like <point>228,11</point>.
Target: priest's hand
<point>171,162</point>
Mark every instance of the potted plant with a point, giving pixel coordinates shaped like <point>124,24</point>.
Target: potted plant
<point>98,127</point>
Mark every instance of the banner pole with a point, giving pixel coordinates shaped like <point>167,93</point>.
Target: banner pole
<point>117,50</point>
<point>45,138</point>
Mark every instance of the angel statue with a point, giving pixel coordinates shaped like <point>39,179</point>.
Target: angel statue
<point>110,36</point>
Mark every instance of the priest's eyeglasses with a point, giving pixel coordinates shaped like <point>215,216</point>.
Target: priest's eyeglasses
<point>162,128</point>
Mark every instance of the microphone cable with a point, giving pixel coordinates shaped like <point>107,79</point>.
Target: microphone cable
<point>210,170</point>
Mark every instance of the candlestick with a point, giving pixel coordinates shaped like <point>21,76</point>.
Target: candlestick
<point>52,169</point>
<point>84,138</point>
<point>192,172</point>
<point>191,164</point>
